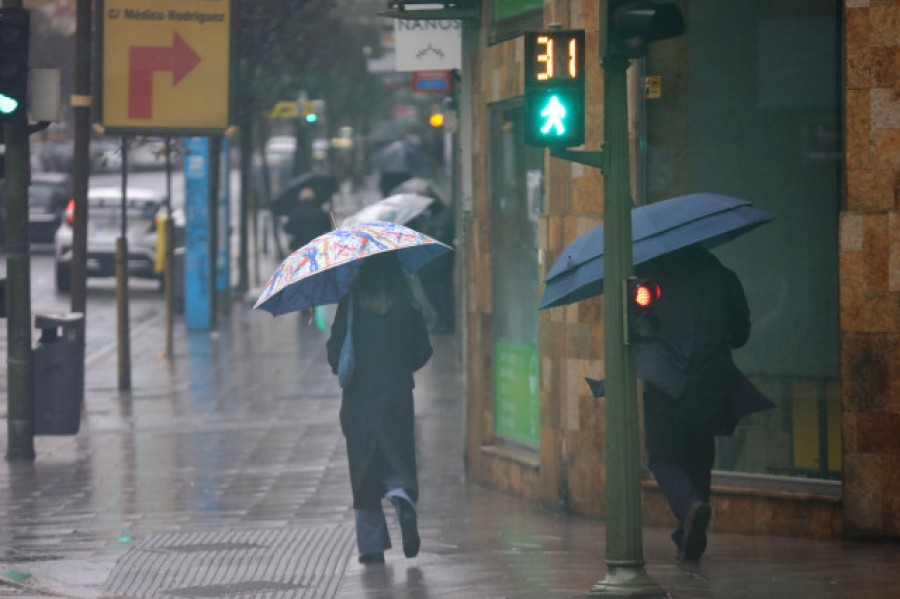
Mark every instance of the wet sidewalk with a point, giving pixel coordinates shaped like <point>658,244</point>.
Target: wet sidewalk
<point>223,474</point>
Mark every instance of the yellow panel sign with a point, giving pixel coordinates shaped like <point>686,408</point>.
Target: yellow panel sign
<point>166,64</point>
<point>284,110</point>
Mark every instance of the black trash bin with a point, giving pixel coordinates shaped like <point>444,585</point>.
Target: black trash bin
<point>58,365</point>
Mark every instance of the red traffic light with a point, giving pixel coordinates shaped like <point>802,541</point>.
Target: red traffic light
<point>643,294</point>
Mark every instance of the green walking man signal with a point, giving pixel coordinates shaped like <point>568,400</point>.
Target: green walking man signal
<point>554,88</point>
<point>553,115</point>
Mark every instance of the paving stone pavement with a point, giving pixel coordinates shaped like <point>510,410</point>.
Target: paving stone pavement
<point>222,473</point>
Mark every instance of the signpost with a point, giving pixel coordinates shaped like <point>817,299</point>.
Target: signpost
<point>164,66</point>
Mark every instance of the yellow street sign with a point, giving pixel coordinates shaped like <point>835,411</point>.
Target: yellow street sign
<point>284,110</point>
<point>165,64</point>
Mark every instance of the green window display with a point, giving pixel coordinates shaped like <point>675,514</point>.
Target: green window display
<point>517,199</point>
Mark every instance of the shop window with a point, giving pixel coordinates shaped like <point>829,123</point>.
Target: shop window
<point>764,114</point>
<point>517,198</point>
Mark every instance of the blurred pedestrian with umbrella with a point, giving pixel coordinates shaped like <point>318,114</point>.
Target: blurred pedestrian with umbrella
<point>323,185</point>
<point>306,219</point>
<point>692,389</point>
<point>378,340</point>
<point>400,209</point>
<point>398,161</point>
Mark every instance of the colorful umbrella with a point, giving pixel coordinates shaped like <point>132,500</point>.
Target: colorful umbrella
<point>322,271</point>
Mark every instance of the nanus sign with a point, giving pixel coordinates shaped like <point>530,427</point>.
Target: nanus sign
<point>428,44</point>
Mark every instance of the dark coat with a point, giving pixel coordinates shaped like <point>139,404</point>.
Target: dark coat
<point>377,416</point>
<point>702,315</point>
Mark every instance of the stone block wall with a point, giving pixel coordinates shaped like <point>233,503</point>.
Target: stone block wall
<point>567,471</point>
<point>870,271</point>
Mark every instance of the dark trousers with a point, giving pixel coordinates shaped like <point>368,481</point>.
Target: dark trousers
<point>680,452</point>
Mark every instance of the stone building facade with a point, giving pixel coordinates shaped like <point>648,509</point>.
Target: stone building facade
<point>807,132</point>
<point>870,270</point>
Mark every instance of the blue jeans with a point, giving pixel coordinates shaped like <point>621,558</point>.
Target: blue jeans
<point>371,528</point>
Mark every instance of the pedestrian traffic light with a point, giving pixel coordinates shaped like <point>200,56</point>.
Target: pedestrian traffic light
<point>643,295</point>
<point>554,88</point>
<point>632,25</point>
<point>14,26</point>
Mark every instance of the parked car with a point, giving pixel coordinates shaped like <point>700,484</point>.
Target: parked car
<point>144,207</point>
<point>47,197</point>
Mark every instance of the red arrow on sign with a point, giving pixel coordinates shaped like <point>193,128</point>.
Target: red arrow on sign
<point>143,61</point>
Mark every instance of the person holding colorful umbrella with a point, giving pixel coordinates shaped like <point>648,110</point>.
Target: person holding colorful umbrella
<point>382,327</point>
<point>378,340</point>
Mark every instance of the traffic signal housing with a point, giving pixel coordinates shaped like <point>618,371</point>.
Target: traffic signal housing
<point>14,31</point>
<point>554,88</point>
<point>632,25</point>
<point>311,110</point>
<point>642,321</point>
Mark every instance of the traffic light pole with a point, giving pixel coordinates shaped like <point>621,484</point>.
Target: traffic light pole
<point>20,416</point>
<point>625,573</point>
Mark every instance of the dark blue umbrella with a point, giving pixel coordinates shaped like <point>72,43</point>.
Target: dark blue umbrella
<point>656,229</point>
<point>324,185</point>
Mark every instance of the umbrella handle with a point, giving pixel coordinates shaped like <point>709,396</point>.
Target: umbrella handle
<point>333,222</point>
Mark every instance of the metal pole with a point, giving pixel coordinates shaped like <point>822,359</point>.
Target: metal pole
<point>213,173</point>
<point>81,114</point>
<point>122,281</point>
<point>170,255</point>
<point>625,573</point>
<point>245,166</point>
<point>242,68</point>
<point>20,410</point>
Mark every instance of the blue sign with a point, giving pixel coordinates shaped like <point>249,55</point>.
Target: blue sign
<point>196,234</point>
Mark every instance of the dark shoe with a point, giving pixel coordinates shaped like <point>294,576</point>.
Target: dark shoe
<point>695,523</point>
<point>409,528</point>
<point>371,558</point>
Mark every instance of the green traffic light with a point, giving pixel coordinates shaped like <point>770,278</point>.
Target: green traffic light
<point>312,118</point>
<point>7,105</point>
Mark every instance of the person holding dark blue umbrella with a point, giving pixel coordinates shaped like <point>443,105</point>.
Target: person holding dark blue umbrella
<point>692,389</point>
